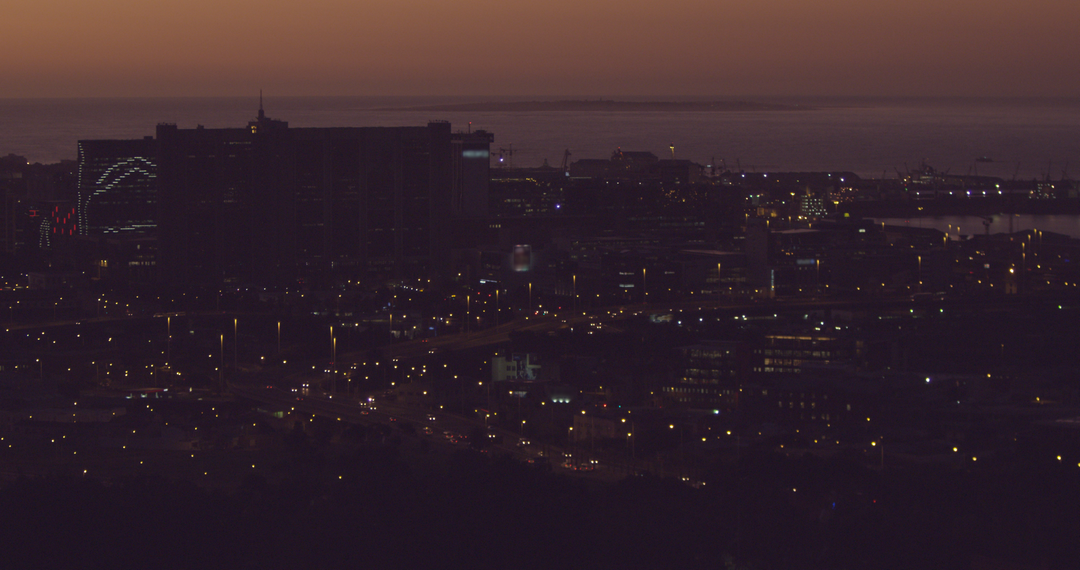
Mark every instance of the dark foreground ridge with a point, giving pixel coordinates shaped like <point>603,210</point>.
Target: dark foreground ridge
<point>607,105</point>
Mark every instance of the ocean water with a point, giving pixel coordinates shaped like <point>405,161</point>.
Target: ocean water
<point>872,137</point>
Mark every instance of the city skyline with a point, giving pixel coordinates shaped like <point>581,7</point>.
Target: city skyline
<point>687,48</point>
<point>250,328</point>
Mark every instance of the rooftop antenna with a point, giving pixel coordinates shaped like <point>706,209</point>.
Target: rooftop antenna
<point>261,114</point>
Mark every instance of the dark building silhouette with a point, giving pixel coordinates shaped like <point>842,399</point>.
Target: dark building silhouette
<point>117,191</point>
<point>8,218</point>
<point>471,162</point>
<point>13,190</point>
<point>273,205</point>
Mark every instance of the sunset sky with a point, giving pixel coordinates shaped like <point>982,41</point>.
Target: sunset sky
<point>76,48</point>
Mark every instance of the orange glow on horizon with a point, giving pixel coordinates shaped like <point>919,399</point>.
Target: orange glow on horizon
<point>427,47</point>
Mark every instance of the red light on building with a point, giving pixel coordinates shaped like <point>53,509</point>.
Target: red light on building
<point>63,220</point>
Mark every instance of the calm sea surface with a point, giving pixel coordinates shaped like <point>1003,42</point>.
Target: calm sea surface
<point>870,137</point>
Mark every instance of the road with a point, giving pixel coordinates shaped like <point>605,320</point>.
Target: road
<point>388,413</point>
<point>609,316</point>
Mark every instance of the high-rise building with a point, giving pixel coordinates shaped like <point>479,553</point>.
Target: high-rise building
<point>708,376</point>
<point>117,187</point>
<point>274,205</point>
<point>12,189</point>
<point>471,160</point>
<point>7,220</point>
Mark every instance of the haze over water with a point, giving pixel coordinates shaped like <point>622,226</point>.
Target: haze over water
<point>869,136</point>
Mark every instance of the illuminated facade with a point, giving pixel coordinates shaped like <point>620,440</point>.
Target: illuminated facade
<point>790,353</point>
<point>117,187</point>
<point>515,367</point>
<point>708,376</point>
<point>812,206</point>
<point>60,222</point>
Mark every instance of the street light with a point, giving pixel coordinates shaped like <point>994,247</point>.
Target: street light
<point>919,258</point>
<point>221,363</point>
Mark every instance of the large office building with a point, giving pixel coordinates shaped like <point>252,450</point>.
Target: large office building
<point>470,162</point>
<point>271,205</point>
<point>708,376</point>
<point>117,187</point>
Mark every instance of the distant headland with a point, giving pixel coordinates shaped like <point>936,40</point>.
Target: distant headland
<point>587,105</point>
